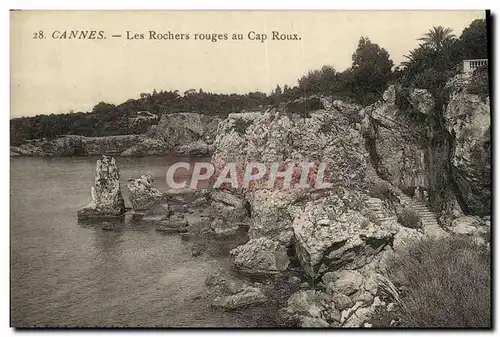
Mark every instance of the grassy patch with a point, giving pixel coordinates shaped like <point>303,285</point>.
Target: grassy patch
<point>443,283</point>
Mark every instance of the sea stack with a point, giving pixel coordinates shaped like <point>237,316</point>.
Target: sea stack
<point>107,198</point>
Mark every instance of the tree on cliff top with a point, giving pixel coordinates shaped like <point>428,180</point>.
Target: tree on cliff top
<point>103,107</point>
<point>474,40</point>
<point>438,37</point>
<point>371,71</point>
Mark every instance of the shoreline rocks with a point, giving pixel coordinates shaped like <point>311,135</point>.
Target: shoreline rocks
<point>260,256</point>
<point>332,233</point>
<point>142,194</point>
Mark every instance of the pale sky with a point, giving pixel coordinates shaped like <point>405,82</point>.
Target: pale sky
<point>58,75</point>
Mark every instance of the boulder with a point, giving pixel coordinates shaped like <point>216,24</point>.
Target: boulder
<point>228,207</point>
<point>331,233</point>
<point>345,282</point>
<point>142,194</point>
<point>106,195</point>
<point>342,301</point>
<point>146,146</point>
<point>270,216</point>
<point>260,256</point>
<point>223,228</point>
<point>310,308</point>
<point>389,95</point>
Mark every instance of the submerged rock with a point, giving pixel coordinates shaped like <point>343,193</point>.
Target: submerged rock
<point>246,297</point>
<point>176,223</point>
<point>107,198</point>
<point>107,226</point>
<point>142,194</point>
<point>260,256</point>
<point>221,282</point>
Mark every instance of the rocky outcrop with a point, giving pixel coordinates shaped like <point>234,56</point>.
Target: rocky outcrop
<point>182,133</point>
<point>228,207</point>
<point>350,299</point>
<point>142,194</point>
<point>197,148</point>
<point>333,233</point>
<point>324,136</point>
<point>260,256</point>
<point>467,119</point>
<point>106,195</point>
<point>473,226</point>
<point>311,309</point>
<point>188,134</point>
<point>270,215</point>
<point>73,145</point>
<point>396,136</point>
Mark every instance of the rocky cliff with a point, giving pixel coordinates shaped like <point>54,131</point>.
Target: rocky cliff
<point>436,149</point>
<point>398,166</point>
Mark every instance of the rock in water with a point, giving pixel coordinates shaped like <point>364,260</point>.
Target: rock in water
<point>107,198</point>
<point>107,226</point>
<point>143,195</point>
<point>247,297</point>
<point>260,256</point>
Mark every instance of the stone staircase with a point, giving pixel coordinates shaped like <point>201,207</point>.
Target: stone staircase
<point>430,225</point>
<point>376,206</point>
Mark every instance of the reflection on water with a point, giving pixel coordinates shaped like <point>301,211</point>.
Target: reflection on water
<point>69,273</point>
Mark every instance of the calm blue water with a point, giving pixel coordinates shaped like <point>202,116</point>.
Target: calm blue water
<point>63,273</point>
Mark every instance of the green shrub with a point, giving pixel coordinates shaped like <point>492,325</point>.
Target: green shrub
<point>443,283</point>
<point>409,218</point>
